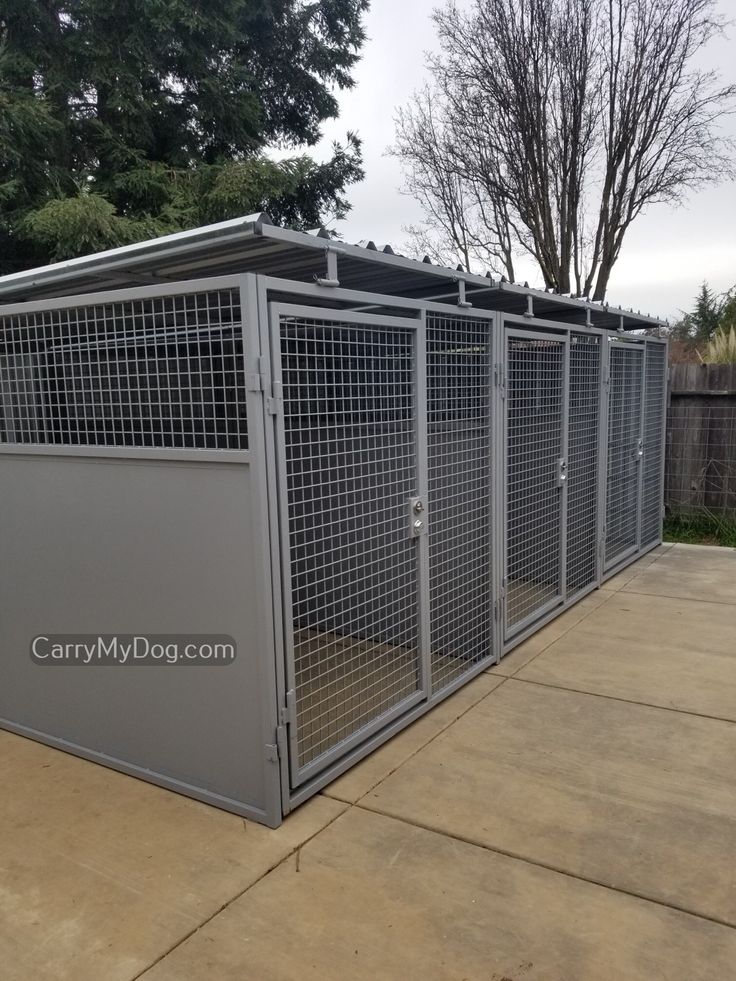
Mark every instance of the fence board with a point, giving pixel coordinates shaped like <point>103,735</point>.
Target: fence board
<point>700,474</point>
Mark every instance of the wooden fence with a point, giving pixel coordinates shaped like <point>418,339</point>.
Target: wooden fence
<point>700,472</point>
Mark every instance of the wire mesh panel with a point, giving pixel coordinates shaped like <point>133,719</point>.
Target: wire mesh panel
<point>535,388</point>
<point>583,461</point>
<point>164,372</point>
<point>350,418</point>
<point>655,381</point>
<point>624,449</point>
<point>459,379</point>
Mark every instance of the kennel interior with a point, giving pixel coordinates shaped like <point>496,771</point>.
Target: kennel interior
<point>376,475</point>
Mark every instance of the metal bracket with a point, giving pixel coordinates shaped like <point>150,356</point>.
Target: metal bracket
<point>639,450</point>
<point>331,279</point>
<point>287,713</point>
<point>272,752</point>
<point>461,299</point>
<point>561,472</point>
<point>529,312</point>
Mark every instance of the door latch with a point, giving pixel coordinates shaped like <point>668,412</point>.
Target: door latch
<point>417,517</point>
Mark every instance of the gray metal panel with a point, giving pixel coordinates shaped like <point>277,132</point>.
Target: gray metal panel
<point>101,546</point>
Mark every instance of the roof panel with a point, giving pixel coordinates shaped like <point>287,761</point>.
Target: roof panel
<point>254,244</point>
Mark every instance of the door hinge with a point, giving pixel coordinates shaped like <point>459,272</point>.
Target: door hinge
<point>257,381</point>
<point>287,715</point>
<point>275,402</point>
<point>499,374</point>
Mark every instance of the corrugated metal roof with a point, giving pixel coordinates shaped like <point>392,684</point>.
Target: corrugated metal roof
<point>254,244</point>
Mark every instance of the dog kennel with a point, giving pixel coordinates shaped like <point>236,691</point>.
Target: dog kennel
<point>376,475</point>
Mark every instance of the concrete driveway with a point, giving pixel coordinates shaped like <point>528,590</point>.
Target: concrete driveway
<point>570,814</point>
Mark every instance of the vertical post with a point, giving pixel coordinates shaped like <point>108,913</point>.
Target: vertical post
<point>265,529</point>
<point>422,453</point>
<point>498,482</point>
<point>603,463</point>
<point>565,441</point>
<point>640,458</point>
<point>665,406</point>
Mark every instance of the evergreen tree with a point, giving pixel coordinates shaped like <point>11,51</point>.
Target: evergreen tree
<point>701,323</point>
<point>122,119</point>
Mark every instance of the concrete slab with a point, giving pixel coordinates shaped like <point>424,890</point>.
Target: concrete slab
<point>690,572</point>
<point>677,654</point>
<point>633,797</point>
<point>529,649</point>
<point>635,569</point>
<point>361,778</point>
<point>375,898</point>
<point>100,873</point>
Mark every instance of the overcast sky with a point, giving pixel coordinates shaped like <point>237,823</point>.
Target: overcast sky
<point>667,253</point>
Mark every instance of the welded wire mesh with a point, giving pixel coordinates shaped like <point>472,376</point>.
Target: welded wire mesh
<point>583,461</point>
<point>163,372</point>
<point>350,462</point>
<point>624,421</point>
<point>655,384</point>
<point>459,380</point>
<point>535,392</point>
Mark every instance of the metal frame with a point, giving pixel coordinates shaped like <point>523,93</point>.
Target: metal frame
<point>300,774</point>
<point>621,556</point>
<point>264,299</point>
<point>357,301</point>
<point>561,338</point>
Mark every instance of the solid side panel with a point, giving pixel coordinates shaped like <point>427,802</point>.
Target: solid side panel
<point>131,547</point>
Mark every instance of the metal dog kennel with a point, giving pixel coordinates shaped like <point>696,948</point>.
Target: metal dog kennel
<point>376,475</point>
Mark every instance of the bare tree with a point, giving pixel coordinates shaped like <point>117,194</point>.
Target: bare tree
<point>465,221</point>
<point>552,124</point>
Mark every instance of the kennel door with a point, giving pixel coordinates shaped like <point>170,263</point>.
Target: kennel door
<point>351,437</point>
<point>625,450</point>
<point>535,473</point>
